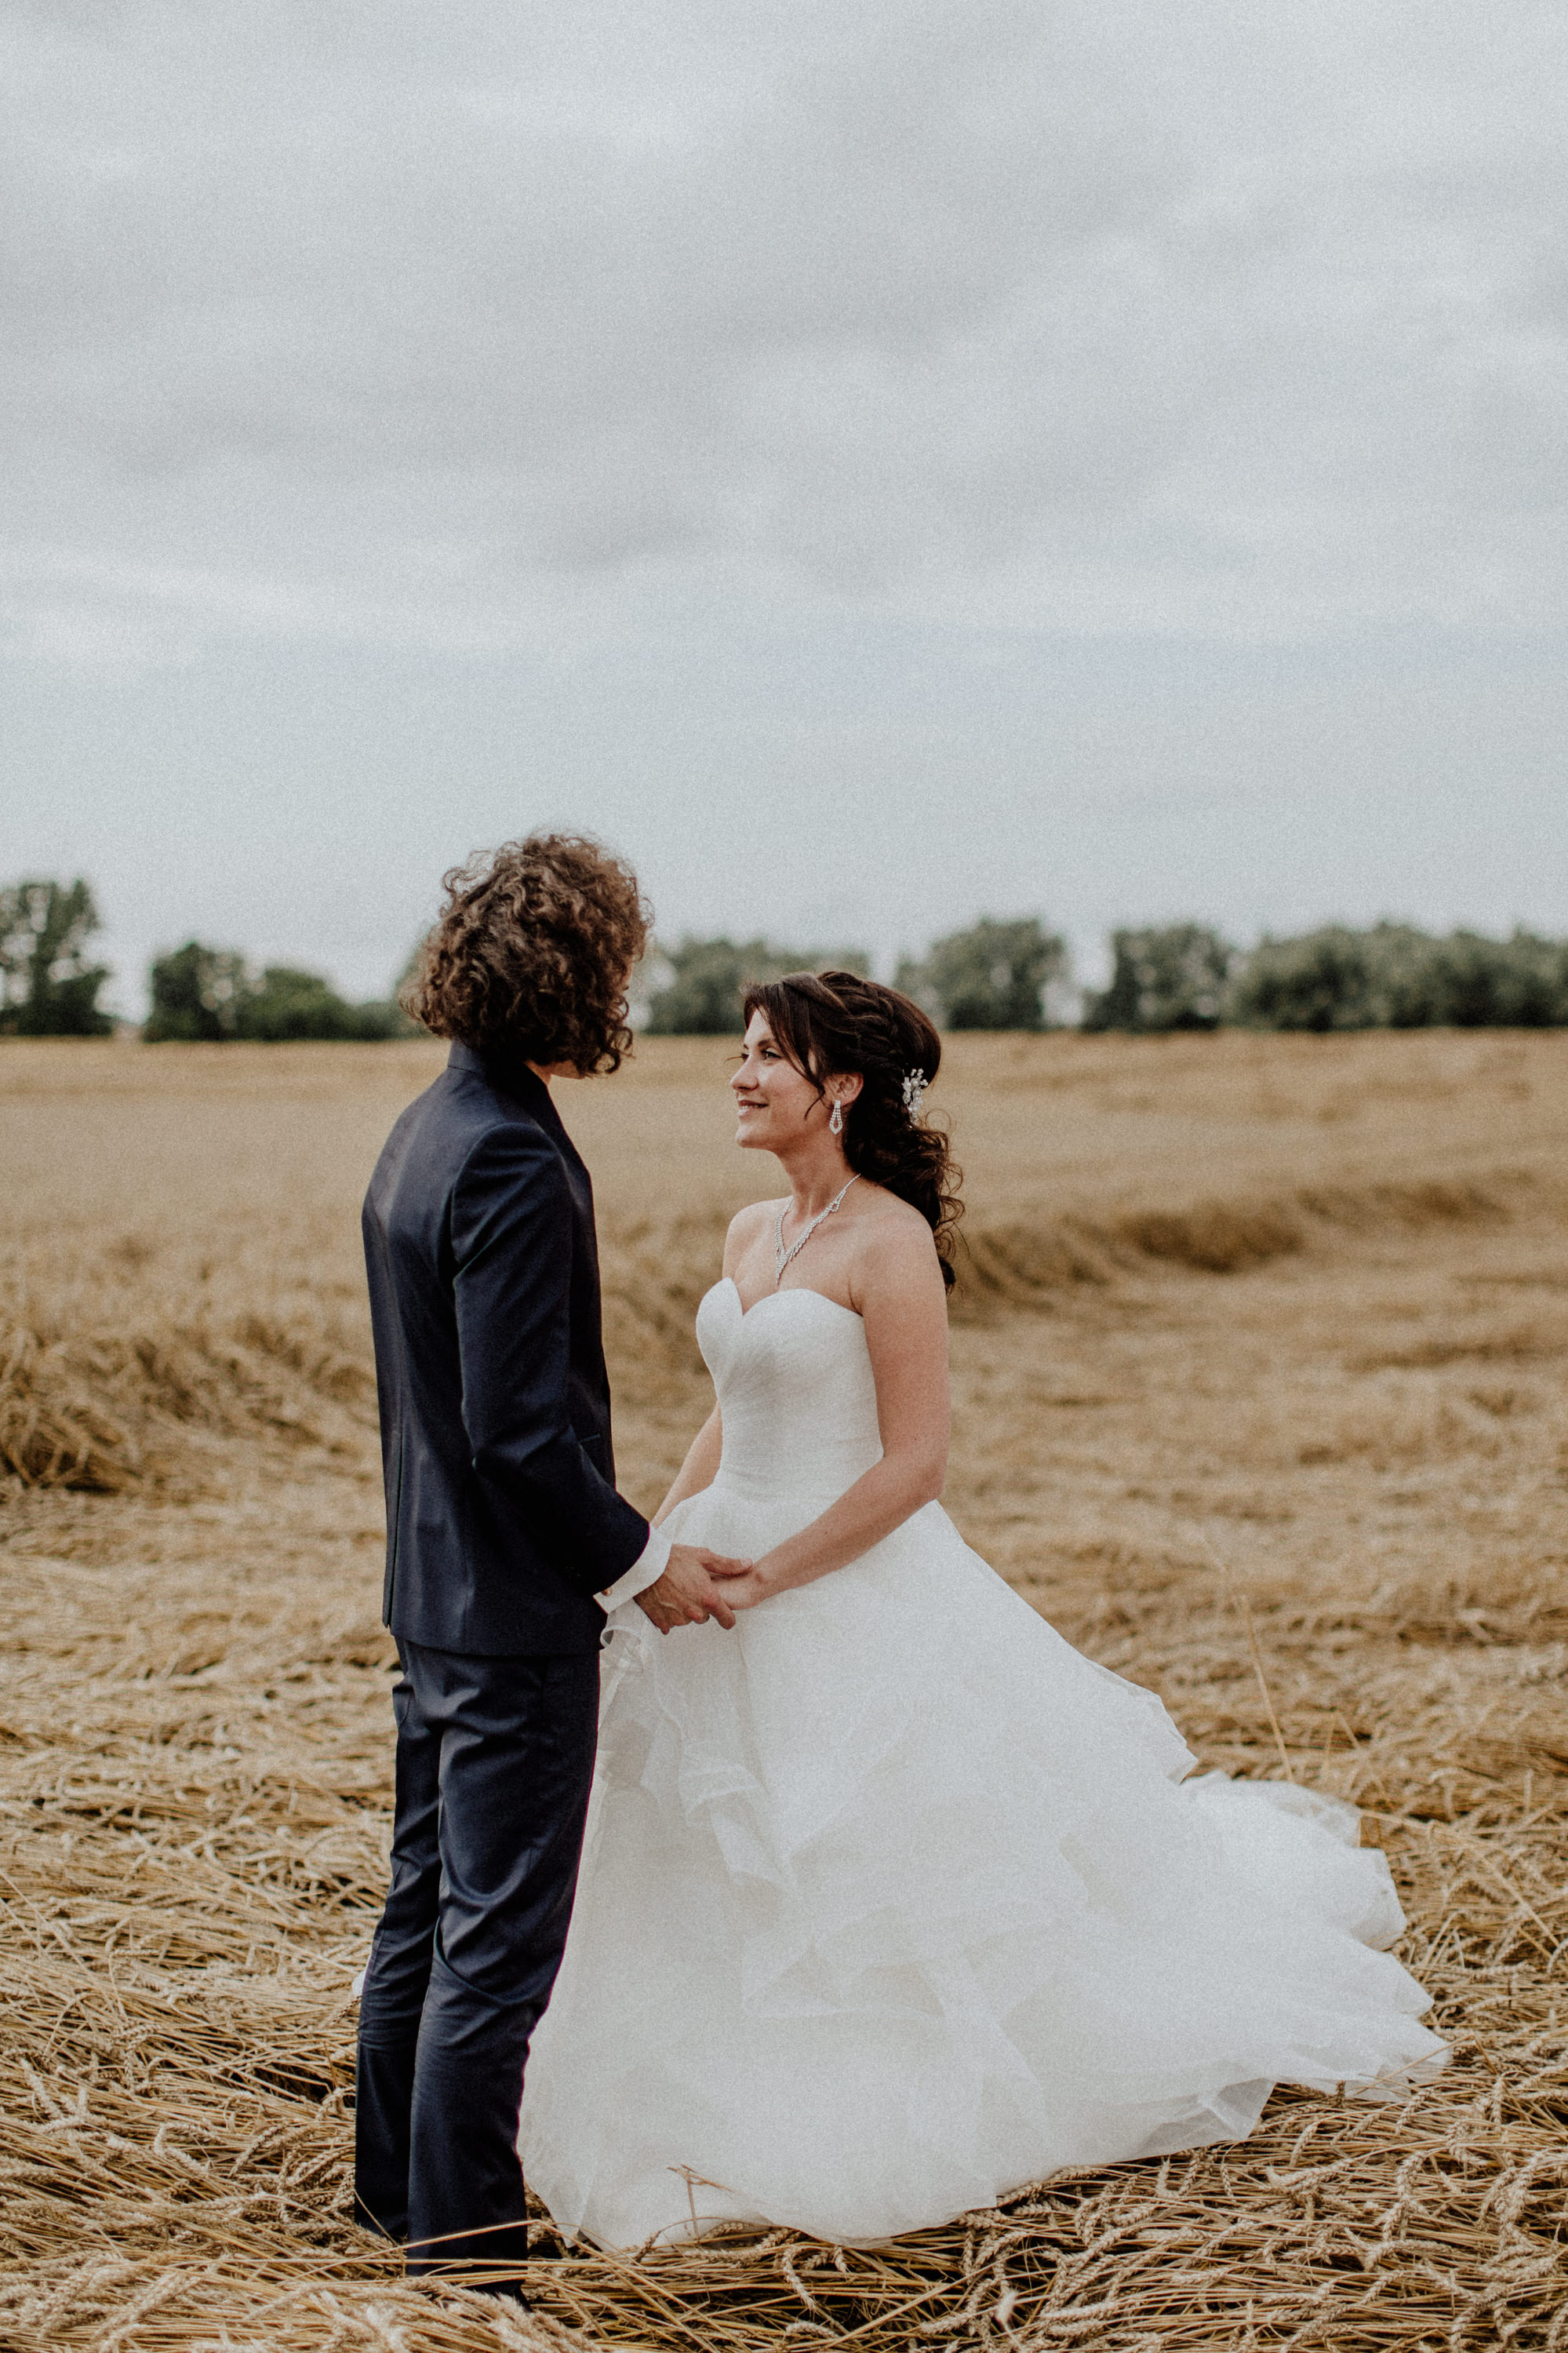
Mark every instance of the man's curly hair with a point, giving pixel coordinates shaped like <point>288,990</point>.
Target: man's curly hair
<point>531,955</point>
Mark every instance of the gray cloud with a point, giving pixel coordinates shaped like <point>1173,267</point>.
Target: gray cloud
<point>380,322</point>
<point>876,463</point>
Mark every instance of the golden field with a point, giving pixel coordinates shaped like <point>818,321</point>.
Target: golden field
<point>1258,1367</point>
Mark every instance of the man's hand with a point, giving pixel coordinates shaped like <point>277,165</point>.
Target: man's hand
<point>689,1592</point>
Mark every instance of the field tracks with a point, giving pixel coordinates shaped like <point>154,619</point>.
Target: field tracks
<point>1306,1308</point>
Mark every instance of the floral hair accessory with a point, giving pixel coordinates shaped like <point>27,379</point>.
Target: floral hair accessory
<point>915,1085</point>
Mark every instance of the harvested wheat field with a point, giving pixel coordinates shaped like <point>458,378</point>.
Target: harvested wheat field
<point>1260,1364</point>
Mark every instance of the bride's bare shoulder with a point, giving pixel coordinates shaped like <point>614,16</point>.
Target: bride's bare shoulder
<point>893,1237</point>
<point>746,1227</point>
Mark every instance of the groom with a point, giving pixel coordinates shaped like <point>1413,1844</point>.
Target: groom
<point>506,1539</point>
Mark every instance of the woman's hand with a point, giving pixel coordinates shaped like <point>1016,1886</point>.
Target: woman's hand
<point>756,1585</point>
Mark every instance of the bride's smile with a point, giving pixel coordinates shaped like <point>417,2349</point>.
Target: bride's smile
<point>779,1109</point>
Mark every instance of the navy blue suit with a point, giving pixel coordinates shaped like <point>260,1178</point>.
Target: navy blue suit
<point>502,1523</point>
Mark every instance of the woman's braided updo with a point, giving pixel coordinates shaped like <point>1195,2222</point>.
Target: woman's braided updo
<point>835,1025</point>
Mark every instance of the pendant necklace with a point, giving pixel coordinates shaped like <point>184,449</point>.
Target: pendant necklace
<point>781,1257</point>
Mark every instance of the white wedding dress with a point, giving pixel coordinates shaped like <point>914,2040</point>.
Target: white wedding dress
<point>892,1903</point>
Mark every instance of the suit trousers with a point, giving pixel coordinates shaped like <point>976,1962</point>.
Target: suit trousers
<point>495,1759</point>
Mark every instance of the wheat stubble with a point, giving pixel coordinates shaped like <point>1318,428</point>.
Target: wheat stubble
<point>1297,1306</point>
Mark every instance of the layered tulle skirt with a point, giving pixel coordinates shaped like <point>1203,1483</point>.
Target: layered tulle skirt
<point>891,1902</point>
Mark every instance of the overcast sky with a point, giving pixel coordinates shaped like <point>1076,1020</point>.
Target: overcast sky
<point>875,464</point>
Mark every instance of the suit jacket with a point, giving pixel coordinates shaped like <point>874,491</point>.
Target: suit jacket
<point>501,1512</point>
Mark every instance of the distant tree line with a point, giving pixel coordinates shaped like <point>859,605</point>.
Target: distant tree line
<point>1392,976</point>
<point>203,995</point>
<point>995,974</point>
<point>49,986</point>
<point>1018,976</point>
<point>708,979</point>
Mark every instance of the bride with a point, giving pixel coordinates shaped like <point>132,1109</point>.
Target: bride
<point>891,1902</point>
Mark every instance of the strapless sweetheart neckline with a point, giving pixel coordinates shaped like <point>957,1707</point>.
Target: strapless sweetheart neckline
<point>795,1289</point>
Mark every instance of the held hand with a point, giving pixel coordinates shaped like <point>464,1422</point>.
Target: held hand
<point>756,1585</point>
<point>689,1592</point>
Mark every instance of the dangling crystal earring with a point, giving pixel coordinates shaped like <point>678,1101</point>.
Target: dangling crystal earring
<point>836,1120</point>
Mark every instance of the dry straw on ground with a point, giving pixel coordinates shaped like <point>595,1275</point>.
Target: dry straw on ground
<point>1299,1304</point>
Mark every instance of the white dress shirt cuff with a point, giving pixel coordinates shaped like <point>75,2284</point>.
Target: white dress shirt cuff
<point>648,1565</point>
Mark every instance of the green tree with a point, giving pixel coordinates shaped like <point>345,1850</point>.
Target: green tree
<point>993,977</point>
<point>1395,976</point>
<point>287,1005</point>
<point>196,994</point>
<point>1321,981</point>
<point>47,989</point>
<point>210,994</point>
<point>1404,988</point>
<point>1172,977</point>
<point>377,1018</point>
<point>709,978</point>
<point>1518,983</point>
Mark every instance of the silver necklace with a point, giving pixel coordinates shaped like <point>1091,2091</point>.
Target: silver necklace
<point>781,1257</point>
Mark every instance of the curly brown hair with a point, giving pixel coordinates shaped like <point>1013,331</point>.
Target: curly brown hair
<point>532,953</point>
<point>832,1023</point>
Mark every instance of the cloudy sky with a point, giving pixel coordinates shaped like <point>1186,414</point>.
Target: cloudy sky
<point>875,463</point>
